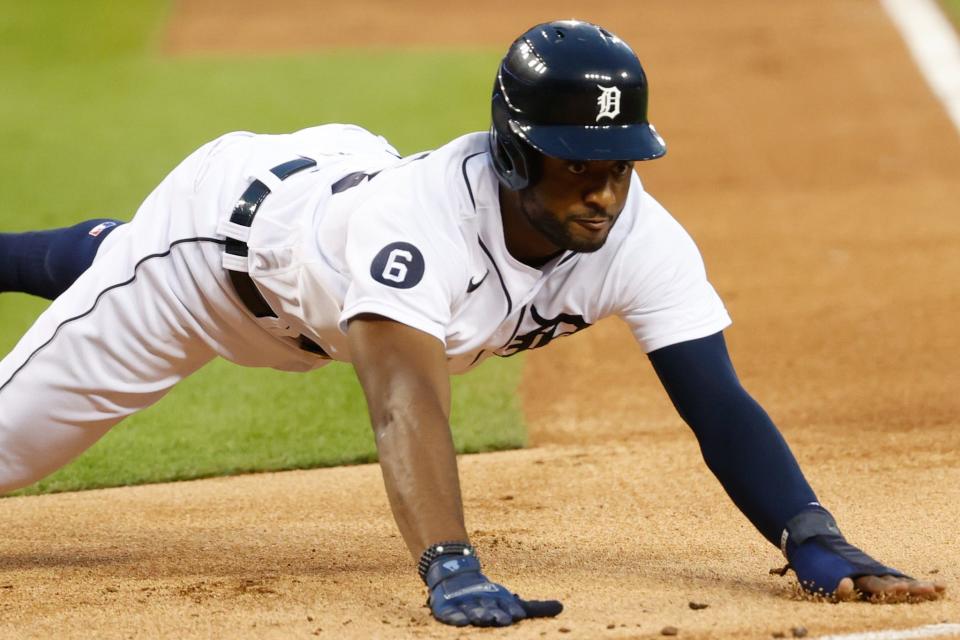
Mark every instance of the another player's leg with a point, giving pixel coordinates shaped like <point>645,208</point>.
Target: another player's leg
<point>46,263</point>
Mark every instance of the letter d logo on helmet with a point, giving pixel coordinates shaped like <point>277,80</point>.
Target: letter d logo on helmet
<point>571,90</point>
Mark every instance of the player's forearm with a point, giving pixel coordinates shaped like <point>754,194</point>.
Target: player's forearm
<point>739,442</point>
<point>419,467</point>
<point>404,377</point>
<point>747,454</point>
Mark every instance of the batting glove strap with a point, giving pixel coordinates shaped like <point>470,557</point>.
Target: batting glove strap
<point>821,556</point>
<point>812,521</point>
<point>449,565</point>
<point>434,551</point>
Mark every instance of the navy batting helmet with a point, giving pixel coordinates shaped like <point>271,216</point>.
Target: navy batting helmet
<point>571,90</point>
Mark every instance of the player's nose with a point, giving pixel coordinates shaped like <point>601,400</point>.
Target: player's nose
<point>601,197</point>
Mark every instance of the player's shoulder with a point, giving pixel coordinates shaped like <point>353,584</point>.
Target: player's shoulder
<point>464,146</point>
<point>449,159</point>
<point>426,193</point>
<point>444,181</point>
<point>648,220</point>
<point>449,167</point>
<point>647,235</point>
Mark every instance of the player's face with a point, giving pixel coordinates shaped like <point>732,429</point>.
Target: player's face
<point>576,203</point>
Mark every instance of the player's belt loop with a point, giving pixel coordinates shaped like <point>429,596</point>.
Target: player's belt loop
<point>246,210</point>
<point>237,230</point>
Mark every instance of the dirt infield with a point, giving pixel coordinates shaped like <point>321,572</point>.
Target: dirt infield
<point>819,177</point>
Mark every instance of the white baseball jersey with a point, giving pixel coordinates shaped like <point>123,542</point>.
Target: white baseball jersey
<point>421,242</point>
<point>416,239</point>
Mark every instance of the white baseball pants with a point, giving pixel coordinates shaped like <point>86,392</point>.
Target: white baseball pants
<point>154,307</point>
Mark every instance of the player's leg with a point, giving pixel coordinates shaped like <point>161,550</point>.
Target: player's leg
<point>154,306</point>
<point>142,317</point>
<point>112,344</point>
<point>46,263</point>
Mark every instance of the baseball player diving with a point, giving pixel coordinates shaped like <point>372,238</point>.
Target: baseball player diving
<point>292,251</point>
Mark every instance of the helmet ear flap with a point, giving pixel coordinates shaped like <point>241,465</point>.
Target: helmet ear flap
<point>511,161</point>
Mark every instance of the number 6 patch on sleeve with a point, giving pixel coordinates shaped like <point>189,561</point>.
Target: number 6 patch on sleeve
<point>399,265</point>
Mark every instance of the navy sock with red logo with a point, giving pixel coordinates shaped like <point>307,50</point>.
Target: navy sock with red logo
<point>45,263</point>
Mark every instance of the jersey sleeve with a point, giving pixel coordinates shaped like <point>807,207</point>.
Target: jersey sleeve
<point>401,263</point>
<point>663,284</point>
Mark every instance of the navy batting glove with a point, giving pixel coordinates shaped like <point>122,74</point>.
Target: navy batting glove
<point>821,556</point>
<point>460,595</point>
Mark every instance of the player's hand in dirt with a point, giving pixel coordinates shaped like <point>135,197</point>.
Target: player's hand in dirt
<point>827,565</point>
<point>889,589</point>
<point>832,567</point>
<point>460,595</point>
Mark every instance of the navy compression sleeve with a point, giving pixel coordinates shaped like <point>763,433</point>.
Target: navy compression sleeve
<point>739,442</point>
<point>45,263</point>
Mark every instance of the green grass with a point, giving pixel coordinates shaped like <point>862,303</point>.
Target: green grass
<point>952,8</point>
<point>91,118</point>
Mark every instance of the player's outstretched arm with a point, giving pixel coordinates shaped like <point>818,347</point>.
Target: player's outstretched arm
<point>404,377</point>
<point>746,452</point>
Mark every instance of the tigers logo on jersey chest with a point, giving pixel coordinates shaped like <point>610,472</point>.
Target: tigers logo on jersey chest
<point>547,329</point>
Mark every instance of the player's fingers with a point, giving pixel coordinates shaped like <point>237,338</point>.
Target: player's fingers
<point>845,590</point>
<point>896,589</point>
<point>513,607</point>
<point>478,615</point>
<point>501,618</point>
<point>870,585</point>
<point>925,590</point>
<point>883,588</point>
<point>452,615</point>
<point>541,608</point>
<point>896,585</point>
